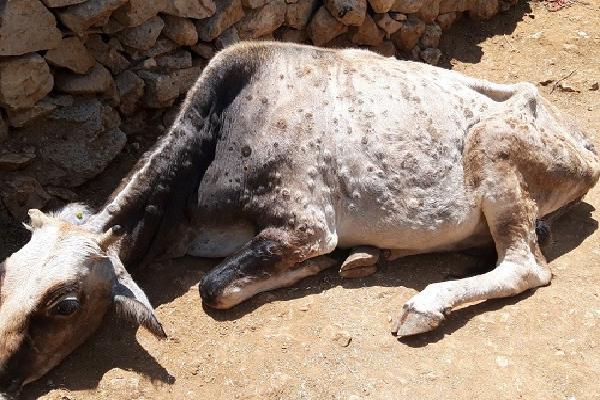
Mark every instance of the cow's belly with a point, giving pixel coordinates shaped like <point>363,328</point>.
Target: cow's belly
<point>217,242</point>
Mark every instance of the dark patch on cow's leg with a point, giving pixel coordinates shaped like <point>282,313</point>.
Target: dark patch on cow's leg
<point>272,259</point>
<point>543,232</point>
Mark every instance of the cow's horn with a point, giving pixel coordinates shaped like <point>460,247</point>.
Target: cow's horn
<point>37,218</point>
<point>109,237</point>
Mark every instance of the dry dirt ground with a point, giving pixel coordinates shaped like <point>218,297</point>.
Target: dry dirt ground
<point>328,338</point>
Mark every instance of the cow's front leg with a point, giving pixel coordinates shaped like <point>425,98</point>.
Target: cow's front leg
<point>511,217</point>
<point>275,258</point>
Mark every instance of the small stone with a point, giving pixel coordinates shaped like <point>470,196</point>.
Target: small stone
<point>21,194</point>
<point>71,54</point>
<point>19,118</point>
<point>150,63</point>
<point>24,80</point>
<point>81,17</point>
<point>15,162</point>
<point>387,23</point>
<point>398,16</point>
<point>142,37</point>
<point>196,9</point>
<point>386,49</point>
<point>409,33</point>
<point>98,80</point>
<point>176,60</point>
<point>323,28</point>
<point>131,89</point>
<point>136,12</point>
<point>349,12</point>
<point>203,50</point>
<point>26,26</point>
<point>381,6</point>
<point>431,36</point>
<point>228,13</point>
<point>431,56</point>
<point>342,338</point>
<point>298,14</point>
<point>595,86</point>
<point>163,45</point>
<point>407,6</point>
<point>368,33</point>
<point>263,21</point>
<point>229,37</point>
<point>360,263</point>
<point>106,54</point>
<point>502,361</point>
<point>180,30</point>
<point>113,26</point>
<point>446,20</point>
<point>160,90</point>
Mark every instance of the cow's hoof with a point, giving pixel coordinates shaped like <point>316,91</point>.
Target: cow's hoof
<point>361,262</point>
<point>413,321</point>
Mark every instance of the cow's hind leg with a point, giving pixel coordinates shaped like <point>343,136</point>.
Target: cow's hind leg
<point>276,257</point>
<point>511,216</point>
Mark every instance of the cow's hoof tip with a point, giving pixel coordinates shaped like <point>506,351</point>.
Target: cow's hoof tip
<point>413,322</point>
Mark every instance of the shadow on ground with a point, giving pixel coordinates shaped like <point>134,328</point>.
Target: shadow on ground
<point>115,345</point>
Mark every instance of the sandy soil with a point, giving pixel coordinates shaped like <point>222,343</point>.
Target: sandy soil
<point>328,338</point>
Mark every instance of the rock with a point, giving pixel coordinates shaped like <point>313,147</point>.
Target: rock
<point>431,36</point>
<point>340,42</point>
<point>342,338</point>
<point>24,80</point>
<point>484,9</point>
<point>63,194</point>
<point>398,16</point>
<point>381,6</point>
<point>262,21</point>
<point>136,12</point>
<point>176,60</point>
<point>408,35</point>
<point>415,53</point>
<point>228,13</point>
<point>71,54</point>
<point>431,56</point>
<point>407,6</point>
<point>349,12</point>
<point>180,30</point>
<point>81,17</point>
<point>106,54</point>
<point>447,6</point>
<point>160,90</point>
<point>254,3</point>
<point>15,162</point>
<point>163,45</point>
<point>61,3</point>
<point>98,80</point>
<point>131,89</point>
<point>368,33</point>
<point>446,20</point>
<point>185,78</point>
<point>22,193</point>
<point>227,38</point>
<point>387,23</point>
<point>197,9</point>
<point>203,50</point>
<point>19,118</point>
<point>142,37</point>
<point>386,49</point>
<point>26,26</point>
<point>113,26</point>
<point>75,142</point>
<point>298,14</point>
<point>429,10</point>
<point>323,28</point>
<point>293,35</point>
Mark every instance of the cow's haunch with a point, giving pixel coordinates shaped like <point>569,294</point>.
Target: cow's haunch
<point>280,154</point>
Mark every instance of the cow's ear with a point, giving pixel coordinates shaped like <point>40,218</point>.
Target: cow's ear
<point>131,303</point>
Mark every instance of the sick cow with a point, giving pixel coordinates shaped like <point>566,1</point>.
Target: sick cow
<point>280,154</point>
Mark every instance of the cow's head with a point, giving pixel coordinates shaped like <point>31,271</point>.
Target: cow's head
<point>54,293</point>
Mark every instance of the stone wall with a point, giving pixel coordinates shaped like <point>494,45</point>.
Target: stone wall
<point>79,79</point>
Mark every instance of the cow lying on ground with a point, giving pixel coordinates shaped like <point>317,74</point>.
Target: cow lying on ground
<point>281,153</point>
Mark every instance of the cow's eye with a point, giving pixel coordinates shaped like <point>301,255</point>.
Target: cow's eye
<point>66,307</point>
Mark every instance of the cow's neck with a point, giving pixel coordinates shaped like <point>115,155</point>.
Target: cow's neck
<point>151,203</point>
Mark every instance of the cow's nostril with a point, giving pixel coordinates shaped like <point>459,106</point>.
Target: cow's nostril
<point>208,291</point>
